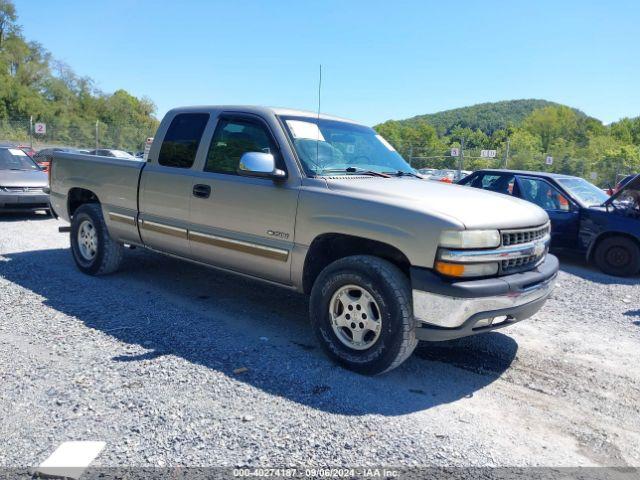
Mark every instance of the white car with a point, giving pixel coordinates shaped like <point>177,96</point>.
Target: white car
<point>107,152</point>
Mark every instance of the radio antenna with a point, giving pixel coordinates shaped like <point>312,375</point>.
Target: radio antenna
<point>318,124</point>
<point>319,91</point>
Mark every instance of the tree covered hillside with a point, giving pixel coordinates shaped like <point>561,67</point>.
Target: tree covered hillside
<point>524,133</point>
<point>34,84</point>
<point>487,117</point>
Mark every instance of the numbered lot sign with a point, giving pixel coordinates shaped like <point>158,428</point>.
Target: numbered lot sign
<point>488,153</point>
<point>40,128</point>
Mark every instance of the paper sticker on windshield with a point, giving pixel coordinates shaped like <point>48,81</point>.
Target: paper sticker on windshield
<point>385,143</point>
<point>300,129</point>
<point>17,152</point>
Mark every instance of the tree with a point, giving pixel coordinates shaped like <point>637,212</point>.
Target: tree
<point>33,84</point>
<point>525,151</point>
<point>551,123</point>
<point>8,19</point>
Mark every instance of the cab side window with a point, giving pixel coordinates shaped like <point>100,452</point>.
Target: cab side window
<point>232,139</point>
<point>495,183</point>
<point>543,194</point>
<point>181,141</point>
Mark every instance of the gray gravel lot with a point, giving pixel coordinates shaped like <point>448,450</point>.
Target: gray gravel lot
<point>145,360</point>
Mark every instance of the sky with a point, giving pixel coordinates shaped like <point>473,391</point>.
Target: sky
<point>380,59</point>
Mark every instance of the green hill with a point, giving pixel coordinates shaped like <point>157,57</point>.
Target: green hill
<point>523,133</point>
<point>487,117</point>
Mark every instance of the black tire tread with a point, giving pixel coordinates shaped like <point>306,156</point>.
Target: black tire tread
<point>399,285</point>
<point>113,252</point>
<point>634,266</point>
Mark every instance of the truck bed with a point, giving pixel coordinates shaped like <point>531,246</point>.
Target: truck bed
<point>113,181</point>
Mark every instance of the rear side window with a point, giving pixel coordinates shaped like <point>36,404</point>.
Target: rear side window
<point>181,141</point>
<point>495,183</point>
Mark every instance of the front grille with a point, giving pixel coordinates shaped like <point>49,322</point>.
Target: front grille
<point>519,264</point>
<point>21,189</point>
<point>517,237</point>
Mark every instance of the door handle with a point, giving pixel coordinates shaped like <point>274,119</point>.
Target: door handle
<point>201,191</point>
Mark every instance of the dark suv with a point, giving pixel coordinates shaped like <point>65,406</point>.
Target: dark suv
<point>584,219</point>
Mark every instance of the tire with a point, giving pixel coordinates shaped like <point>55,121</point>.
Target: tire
<point>383,288</point>
<point>618,256</point>
<point>107,254</point>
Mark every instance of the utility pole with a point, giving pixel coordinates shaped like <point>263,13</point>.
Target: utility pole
<point>506,154</point>
<point>461,158</point>
<point>410,155</point>
<point>97,128</point>
<point>31,132</point>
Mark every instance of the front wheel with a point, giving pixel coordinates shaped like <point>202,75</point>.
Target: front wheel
<point>360,310</point>
<point>619,256</point>
<point>94,251</point>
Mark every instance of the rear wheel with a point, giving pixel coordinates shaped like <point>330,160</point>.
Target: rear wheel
<point>619,256</point>
<point>94,251</point>
<point>360,310</point>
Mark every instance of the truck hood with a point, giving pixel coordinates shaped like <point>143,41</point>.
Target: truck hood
<point>633,184</point>
<point>23,178</point>
<point>472,207</point>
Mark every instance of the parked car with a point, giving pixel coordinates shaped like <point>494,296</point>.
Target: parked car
<point>447,176</point>
<point>426,172</point>
<point>27,149</point>
<point>323,206</point>
<point>22,182</point>
<point>584,219</point>
<point>43,157</point>
<point>108,152</point>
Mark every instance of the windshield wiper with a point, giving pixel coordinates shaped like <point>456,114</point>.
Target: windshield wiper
<point>400,173</point>
<point>358,171</point>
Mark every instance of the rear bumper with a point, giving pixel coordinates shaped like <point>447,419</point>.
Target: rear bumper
<point>447,310</point>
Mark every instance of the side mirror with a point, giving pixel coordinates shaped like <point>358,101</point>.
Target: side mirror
<point>259,164</point>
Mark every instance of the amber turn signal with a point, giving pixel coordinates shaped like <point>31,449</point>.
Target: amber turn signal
<point>450,269</point>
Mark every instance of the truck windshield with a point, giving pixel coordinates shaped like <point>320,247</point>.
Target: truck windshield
<point>16,159</point>
<point>586,193</point>
<point>327,147</point>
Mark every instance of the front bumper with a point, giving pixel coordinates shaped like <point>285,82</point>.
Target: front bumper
<point>21,202</point>
<point>447,310</point>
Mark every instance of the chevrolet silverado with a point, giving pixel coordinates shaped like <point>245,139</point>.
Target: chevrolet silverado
<point>321,205</point>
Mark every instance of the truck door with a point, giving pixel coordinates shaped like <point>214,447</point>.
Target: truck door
<point>563,212</point>
<point>242,223</point>
<point>166,185</point>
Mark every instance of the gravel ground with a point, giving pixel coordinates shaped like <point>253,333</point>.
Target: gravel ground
<point>147,360</point>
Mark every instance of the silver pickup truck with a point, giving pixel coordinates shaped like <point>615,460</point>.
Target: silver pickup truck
<point>321,205</point>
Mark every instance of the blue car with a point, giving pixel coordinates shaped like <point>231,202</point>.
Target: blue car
<point>584,219</point>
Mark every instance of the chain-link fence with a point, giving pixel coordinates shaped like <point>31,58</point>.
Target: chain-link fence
<point>88,134</point>
<point>75,134</point>
<point>604,171</point>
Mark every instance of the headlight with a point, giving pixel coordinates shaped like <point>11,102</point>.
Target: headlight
<point>467,269</point>
<point>470,238</point>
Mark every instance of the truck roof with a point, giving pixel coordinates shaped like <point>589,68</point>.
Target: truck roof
<point>260,110</point>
